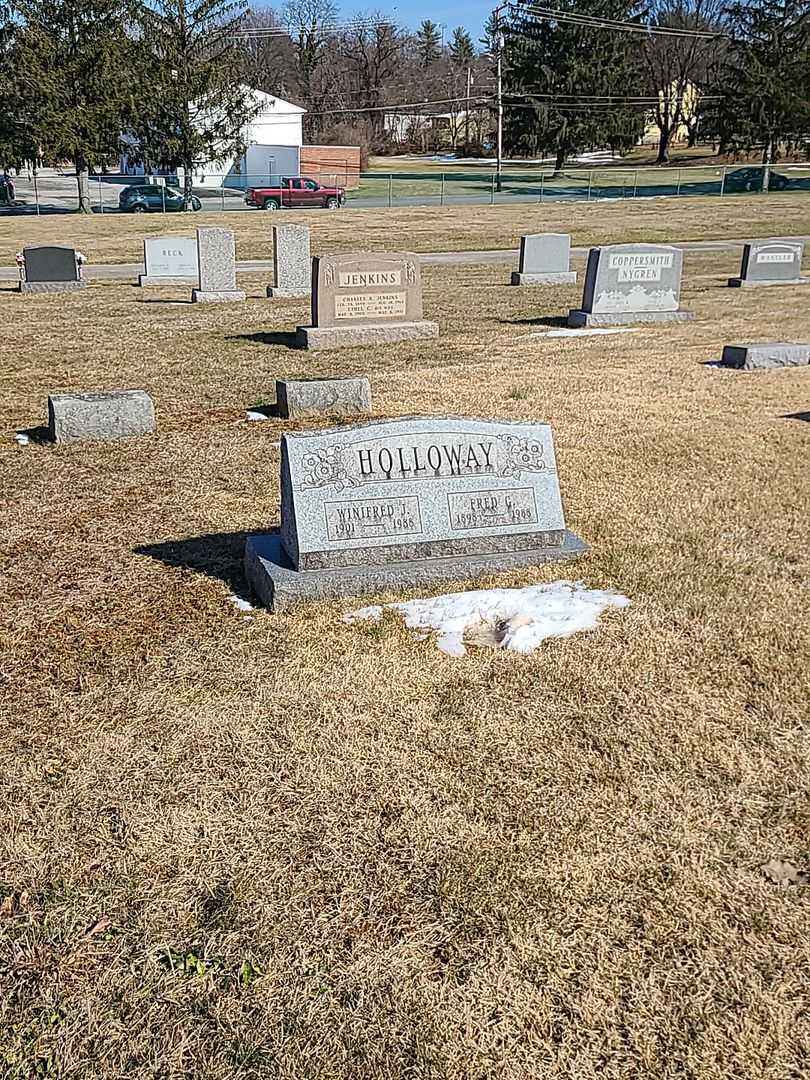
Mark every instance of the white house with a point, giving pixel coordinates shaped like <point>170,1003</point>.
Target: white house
<point>273,138</point>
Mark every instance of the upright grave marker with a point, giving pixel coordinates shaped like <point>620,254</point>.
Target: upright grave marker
<point>170,260</point>
<point>627,283</point>
<point>365,299</point>
<point>51,268</point>
<point>544,260</point>
<point>216,258</point>
<point>114,414</point>
<point>770,262</point>
<point>398,503</point>
<point>292,267</point>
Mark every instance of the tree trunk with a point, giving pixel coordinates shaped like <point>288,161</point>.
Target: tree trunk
<point>188,182</point>
<point>83,185</point>
<point>559,160</point>
<point>663,145</point>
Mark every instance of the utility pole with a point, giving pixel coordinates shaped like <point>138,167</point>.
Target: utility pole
<point>467,114</point>
<point>499,42</point>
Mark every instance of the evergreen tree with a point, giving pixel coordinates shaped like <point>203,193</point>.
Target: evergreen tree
<point>462,50</point>
<point>428,43</point>
<point>558,78</point>
<point>193,105</point>
<point>766,79</point>
<point>75,56</point>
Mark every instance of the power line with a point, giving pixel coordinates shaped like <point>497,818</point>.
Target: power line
<point>598,23</point>
<point>324,28</point>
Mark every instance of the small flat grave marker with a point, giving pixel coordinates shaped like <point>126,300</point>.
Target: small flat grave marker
<point>170,260</point>
<point>114,414</point>
<point>292,265</point>
<point>770,262</point>
<point>398,503</point>
<point>544,260</point>
<point>50,268</point>
<point>629,283</point>
<point>300,398</point>
<point>775,354</point>
<point>365,299</point>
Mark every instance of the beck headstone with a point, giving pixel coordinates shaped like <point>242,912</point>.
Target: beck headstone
<point>628,283</point>
<point>297,399</point>
<point>544,260</point>
<point>407,502</point>
<point>770,262</point>
<point>170,260</point>
<point>50,268</point>
<point>292,267</point>
<point>774,354</point>
<point>216,260</point>
<point>116,414</point>
<point>365,299</point>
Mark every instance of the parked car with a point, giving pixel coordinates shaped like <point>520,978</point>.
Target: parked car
<point>143,198</point>
<point>295,191</point>
<point>751,180</point>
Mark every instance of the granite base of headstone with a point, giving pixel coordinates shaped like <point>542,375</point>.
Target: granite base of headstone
<point>767,355</point>
<point>115,414</point>
<point>216,259</point>
<point>405,503</point>
<point>50,269</point>
<point>297,399</point>
<point>544,260</point>
<point>770,262</point>
<point>169,260</point>
<point>292,265</point>
<point>631,283</point>
<point>365,299</point>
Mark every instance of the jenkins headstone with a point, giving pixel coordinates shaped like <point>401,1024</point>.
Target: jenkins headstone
<point>397,503</point>
<point>365,300</point>
<point>770,262</point>
<point>216,259</point>
<point>627,283</point>
<point>544,260</point>
<point>50,269</point>
<point>292,267</point>
<point>170,260</point>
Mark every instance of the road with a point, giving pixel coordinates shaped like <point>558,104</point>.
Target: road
<point>116,271</point>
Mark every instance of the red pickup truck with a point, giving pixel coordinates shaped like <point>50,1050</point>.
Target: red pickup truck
<point>295,191</point>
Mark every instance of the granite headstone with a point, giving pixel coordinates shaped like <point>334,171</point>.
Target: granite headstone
<point>365,299</point>
<point>292,266</point>
<point>297,399</point>
<point>397,503</point>
<point>770,262</point>
<point>216,259</point>
<point>628,283</point>
<point>170,260</point>
<point>114,414</point>
<point>773,354</point>
<point>50,268</point>
<point>544,260</point>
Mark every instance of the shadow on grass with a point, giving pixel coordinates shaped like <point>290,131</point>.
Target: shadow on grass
<point>287,338</point>
<point>796,416</point>
<point>543,320</point>
<point>216,555</point>
<point>40,435</point>
<point>158,300</point>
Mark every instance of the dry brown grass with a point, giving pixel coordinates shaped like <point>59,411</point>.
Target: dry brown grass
<point>113,238</point>
<point>389,863</point>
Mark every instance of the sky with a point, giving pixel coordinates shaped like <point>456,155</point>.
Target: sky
<point>453,13</point>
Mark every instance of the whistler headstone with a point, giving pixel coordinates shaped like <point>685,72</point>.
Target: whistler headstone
<point>397,503</point>
<point>292,266</point>
<point>170,260</point>
<point>50,268</point>
<point>544,260</point>
<point>216,260</point>
<point>365,299</point>
<point>628,283</point>
<point>774,354</point>
<point>771,262</point>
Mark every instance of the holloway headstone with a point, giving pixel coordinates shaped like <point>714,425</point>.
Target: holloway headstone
<point>399,503</point>
<point>170,260</point>
<point>292,267</point>
<point>115,414</point>
<point>216,260</point>
<point>774,354</point>
<point>299,398</point>
<point>365,299</point>
<point>627,283</point>
<point>770,262</point>
<point>50,269</point>
<point>544,260</point>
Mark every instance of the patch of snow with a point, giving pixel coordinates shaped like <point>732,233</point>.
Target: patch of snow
<point>585,331</point>
<point>22,438</point>
<point>514,619</point>
<point>256,414</point>
<point>240,603</point>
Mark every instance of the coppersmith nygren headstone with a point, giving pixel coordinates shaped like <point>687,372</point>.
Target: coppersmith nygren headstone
<point>365,299</point>
<point>391,504</point>
<point>628,283</point>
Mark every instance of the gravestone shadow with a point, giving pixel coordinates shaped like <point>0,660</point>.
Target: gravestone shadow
<point>796,416</point>
<point>215,555</point>
<point>287,338</point>
<point>40,435</point>
<point>542,320</point>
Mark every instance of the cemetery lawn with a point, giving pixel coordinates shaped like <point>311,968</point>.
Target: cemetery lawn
<point>118,238</point>
<point>236,844</point>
